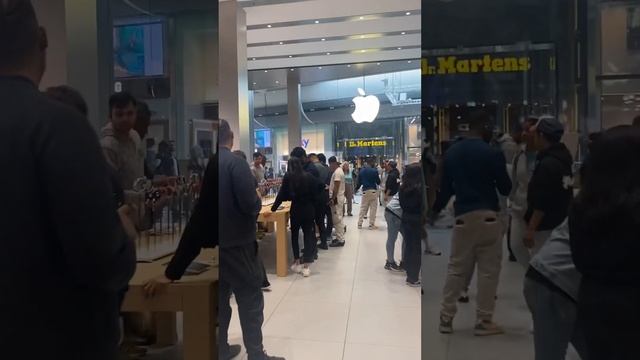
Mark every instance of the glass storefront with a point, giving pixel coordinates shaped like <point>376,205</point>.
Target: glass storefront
<point>328,101</point>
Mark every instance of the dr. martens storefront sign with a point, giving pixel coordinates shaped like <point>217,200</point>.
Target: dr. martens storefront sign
<point>366,143</point>
<point>450,65</point>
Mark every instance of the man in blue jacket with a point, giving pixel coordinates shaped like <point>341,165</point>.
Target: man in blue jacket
<point>369,179</point>
<point>472,171</point>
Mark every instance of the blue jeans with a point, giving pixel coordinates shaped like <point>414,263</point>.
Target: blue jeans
<point>554,321</point>
<point>394,226</point>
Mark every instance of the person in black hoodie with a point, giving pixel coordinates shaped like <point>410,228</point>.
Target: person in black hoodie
<point>412,194</point>
<point>65,258</point>
<point>301,188</point>
<point>603,225</point>
<point>392,185</point>
<point>550,189</point>
<point>322,197</point>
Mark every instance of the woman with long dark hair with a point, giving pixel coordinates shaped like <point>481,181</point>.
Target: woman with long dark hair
<point>412,195</point>
<point>604,223</point>
<point>299,187</point>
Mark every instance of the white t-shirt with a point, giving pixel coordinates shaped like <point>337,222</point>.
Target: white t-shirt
<point>338,175</point>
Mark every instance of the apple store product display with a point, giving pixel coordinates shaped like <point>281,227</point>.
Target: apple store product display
<point>165,211</point>
<point>269,190</point>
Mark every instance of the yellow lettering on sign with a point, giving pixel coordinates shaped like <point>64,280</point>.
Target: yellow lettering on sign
<point>366,143</point>
<point>449,65</point>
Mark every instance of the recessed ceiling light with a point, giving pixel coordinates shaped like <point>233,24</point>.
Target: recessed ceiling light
<point>349,65</point>
<point>254,83</point>
<point>409,61</point>
<point>317,21</point>
<point>323,39</point>
<point>269,26</point>
<point>266,71</point>
<point>378,64</point>
<point>320,67</point>
<point>362,36</point>
<point>332,108</point>
<point>281,43</point>
<point>291,69</point>
<point>363,50</point>
<point>277,113</point>
<point>361,17</point>
<point>399,48</point>
<point>328,53</point>
<point>404,33</point>
<point>408,13</point>
<point>290,56</point>
<point>254,59</point>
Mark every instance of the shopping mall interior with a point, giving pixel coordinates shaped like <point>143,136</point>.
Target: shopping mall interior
<point>376,84</point>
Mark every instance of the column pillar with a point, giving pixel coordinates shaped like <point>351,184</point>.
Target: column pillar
<point>294,111</point>
<point>90,54</point>
<point>80,50</point>
<point>234,82</point>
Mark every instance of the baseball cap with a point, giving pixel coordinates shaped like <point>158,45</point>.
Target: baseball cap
<point>550,127</point>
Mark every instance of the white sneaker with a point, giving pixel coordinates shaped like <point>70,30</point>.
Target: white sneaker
<point>306,272</point>
<point>296,268</point>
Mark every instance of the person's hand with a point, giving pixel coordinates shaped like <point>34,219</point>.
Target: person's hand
<point>528,240</point>
<point>156,286</point>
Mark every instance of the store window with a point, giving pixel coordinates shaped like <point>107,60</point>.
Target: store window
<point>352,111</point>
<point>620,69</point>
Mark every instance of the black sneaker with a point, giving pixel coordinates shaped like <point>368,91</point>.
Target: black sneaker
<point>463,299</point>
<point>234,350</point>
<point>416,283</point>
<point>336,243</point>
<point>391,266</point>
<point>401,266</point>
<point>323,246</point>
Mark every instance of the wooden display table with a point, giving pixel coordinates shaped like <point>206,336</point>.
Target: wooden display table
<point>195,296</point>
<point>279,219</point>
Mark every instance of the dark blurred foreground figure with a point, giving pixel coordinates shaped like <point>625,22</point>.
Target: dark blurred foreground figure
<point>65,256</point>
<point>603,224</point>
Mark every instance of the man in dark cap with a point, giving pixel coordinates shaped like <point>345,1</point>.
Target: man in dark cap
<point>551,187</point>
<point>65,257</point>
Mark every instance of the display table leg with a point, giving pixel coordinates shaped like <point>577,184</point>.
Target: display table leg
<point>166,334</point>
<point>281,245</point>
<point>199,323</point>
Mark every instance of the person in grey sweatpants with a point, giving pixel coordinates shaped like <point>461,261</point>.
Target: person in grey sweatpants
<point>551,291</point>
<point>393,216</point>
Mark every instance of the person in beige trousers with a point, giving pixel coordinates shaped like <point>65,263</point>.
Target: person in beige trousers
<point>369,179</point>
<point>477,172</point>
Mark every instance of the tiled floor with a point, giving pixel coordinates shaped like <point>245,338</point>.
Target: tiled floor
<point>349,309</point>
<point>511,312</point>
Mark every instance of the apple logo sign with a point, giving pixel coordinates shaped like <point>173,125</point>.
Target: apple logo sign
<point>367,108</point>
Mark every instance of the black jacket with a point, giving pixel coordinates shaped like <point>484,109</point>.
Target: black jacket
<point>239,204</point>
<point>303,198</point>
<point>65,257</point>
<point>201,231</point>
<point>393,182</point>
<point>550,187</point>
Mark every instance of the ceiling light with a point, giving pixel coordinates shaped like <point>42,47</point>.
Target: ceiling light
<point>328,53</point>
<point>408,13</point>
<point>349,65</point>
<point>361,17</point>
<point>254,59</point>
<point>266,71</point>
<point>281,43</point>
<point>363,50</point>
<point>362,37</point>
<point>399,48</point>
<point>317,21</point>
<point>254,83</point>
<point>291,69</point>
<point>378,64</point>
<point>290,56</point>
<point>319,67</point>
<point>277,82</point>
<point>269,26</point>
<point>277,113</point>
<point>404,33</point>
<point>409,61</point>
<point>259,115</point>
<point>323,39</point>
